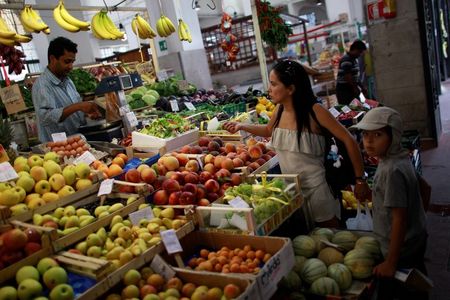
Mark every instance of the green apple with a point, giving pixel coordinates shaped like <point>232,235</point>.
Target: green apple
<point>52,168</point>
<point>29,289</point>
<point>45,264</point>
<point>54,276</point>
<point>132,277</point>
<point>69,175</point>
<point>18,209</point>
<point>38,173</point>
<point>83,170</point>
<point>69,211</point>
<point>20,160</point>
<point>83,184</point>
<point>59,212</point>
<point>22,193</point>
<point>22,167</point>
<point>62,292</point>
<point>8,293</point>
<point>50,197</point>
<point>27,272</point>
<point>41,298</point>
<point>9,197</point>
<point>66,191</point>
<point>42,187</point>
<point>35,160</point>
<point>57,181</point>
<point>35,203</point>
<point>131,291</point>
<point>4,186</point>
<point>52,156</point>
<point>26,182</point>
<point>23,173</point>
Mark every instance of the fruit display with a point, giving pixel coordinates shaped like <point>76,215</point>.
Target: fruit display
<point>31,21</point>
<point>265,107</point>
<point>14,58</point>
<point>164,26</point>
<point>66,21</point>
<point>47,278</point>
<point>147,284</point>
<point>114,169</point>
<point>350,202</point>
<point>168,126</point>
<point>183,31</point>
<point>226,260</point>
<point>142,28</point>
<point>103,28</point>
<point>121,241</point>
<point>16,244</point>
<point>325,269</point>
<point>72,147</point>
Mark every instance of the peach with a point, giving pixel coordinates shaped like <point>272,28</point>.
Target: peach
<point>161,197</point>
<point>229,147</point>
<point>196,150</point>
<point>133,175</point>
<point>182,159</point>
<point>255,152</point>
<point>266,157</point>
<point>147,289</point>
<point>192,166</point>
<point>188,289</point>
<point>204,141</point>
<point>227,163</point>
<point>236,179</point>
<point>141,167</point>
<point>204,202</point>
<point>96,164</point>
<point>271,153</point>
<point>201,191</point>
<point>218,161</point>
<point>260,161</point>
<point>114,170</point>
<point>251,142</point>
<point>210,168</point>
<point>174,283</point>
<point>186,149</point>
<point>156,280</point>
<point>170,163</point>
<point>209,158</point>
<point>118,161</point>
<point>212,186</point>
<point>231,291</point>
<point>237,162</point>
<point>191,177</point>
<point>254,166</point>
<point>174,198</point>
<point>223,173</point>
<point>148,175</point>
<point>262,146</point>
<point>171,186</point>
<point>244,156</point>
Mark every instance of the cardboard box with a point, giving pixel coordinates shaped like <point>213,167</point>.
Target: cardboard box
<point>270,274</point>
<point>148,142</point>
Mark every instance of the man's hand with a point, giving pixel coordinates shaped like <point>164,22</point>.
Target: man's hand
<point>385,269</point>
<point>90,109</point>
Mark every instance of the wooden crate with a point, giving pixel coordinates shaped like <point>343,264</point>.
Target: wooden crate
<point>146,142</point>
<point>271,163</point>
<point>91,267</point>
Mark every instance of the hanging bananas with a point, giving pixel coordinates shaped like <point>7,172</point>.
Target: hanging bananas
<point>164,26</point>
<point>103,27</point>
<point>9,37</point>
<point>183,31</point>
<point>142,28</point>
<point>31,20</point>
<point>67,21</point>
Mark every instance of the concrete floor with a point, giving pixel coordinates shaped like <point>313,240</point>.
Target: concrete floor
<point>436,170</point>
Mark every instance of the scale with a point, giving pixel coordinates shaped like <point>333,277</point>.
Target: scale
<point>116,105</point>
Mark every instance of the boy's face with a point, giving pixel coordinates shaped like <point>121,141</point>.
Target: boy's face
<point>376,142</point>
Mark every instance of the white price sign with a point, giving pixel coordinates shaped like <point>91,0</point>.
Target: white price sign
<point>346,109</point>
<point>170,240</point>
<point>238,202</point>
<point>86,157</point>
<point>190,106</point>
<point>174,105</point>
<point>161,267</point>
<point>334,112</point>
<point>106,187</point>
<point>59,137</point>
<point>7,172</point>
<point>124,110</point>
<point>131,117</point>
<point>145,213</point>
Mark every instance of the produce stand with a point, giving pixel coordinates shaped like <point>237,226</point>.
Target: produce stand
<point>145,142</point>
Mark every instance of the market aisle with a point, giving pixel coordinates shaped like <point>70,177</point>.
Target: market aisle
<point>436,169</point>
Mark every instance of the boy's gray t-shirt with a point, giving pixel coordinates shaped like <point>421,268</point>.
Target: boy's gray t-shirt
<point>396,185</point>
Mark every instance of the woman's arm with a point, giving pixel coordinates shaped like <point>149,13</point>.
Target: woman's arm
<point>259,130</point>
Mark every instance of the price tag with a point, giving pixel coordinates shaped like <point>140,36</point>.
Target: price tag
<point>145,213</point>
<point>346,109</point>
<point>238,202</point>
<point>59,137</point>
<point>131,117</point>
<point>106,187</point>
<point>174,105</point>
<point>239,222</point>
<point>190,106</point>
<point>162,75</point>
<point>123,110</point>
<point>7,172</point>
<point>170,240</point>
<point>86,157</point>
<point>160,266</point>
<point>334,112</point>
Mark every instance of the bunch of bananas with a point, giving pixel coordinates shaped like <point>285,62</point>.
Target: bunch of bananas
<point>31,21</point>
<point>183,31</point>
<point>265,106</point>
<point>9,37</point>
<point>67,21</point>
<point>103,27</point>
<point>350,202</point>
<point>164,26</point>
<point>141,28</point>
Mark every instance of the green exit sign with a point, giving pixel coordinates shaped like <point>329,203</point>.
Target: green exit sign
<point>162,45</point>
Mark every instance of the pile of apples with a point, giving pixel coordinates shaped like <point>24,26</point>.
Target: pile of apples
<point>41,180</point>
<point>124,241</point>
<point>72,147</point>
<point>16,244</point>
<point>114,169</point>
<point>31,282</point>
<point>245,260</point>
<point>146,284</point>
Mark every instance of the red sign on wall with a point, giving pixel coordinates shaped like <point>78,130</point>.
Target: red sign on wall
<point>375,10</point>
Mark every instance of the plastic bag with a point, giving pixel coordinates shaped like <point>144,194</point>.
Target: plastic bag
<point>362,221</point>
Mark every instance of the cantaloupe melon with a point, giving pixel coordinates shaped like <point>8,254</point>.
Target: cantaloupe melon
<point>330,256</point>
<point>345,239</point>
<point>304,246</point>
<point>325,286</point>
<point>313,269</point>
<point>341,274</point>
<point>360,263</point>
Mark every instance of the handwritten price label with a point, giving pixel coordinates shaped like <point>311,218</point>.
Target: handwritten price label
<point>190,106</point>
<point>161,267</point>
<point>59,137</point>
<point>238,202</point>
<point>7,172</point>
<point>334,112</point>
<point>174,105</point>
<point>106,187</point>
<point>86,157</point>
<point>145,213</point>
<point>170,240</point>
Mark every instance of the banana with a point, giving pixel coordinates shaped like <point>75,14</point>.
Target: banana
<point>183,31</point>
<point>61,21</point>
<point>28,29</point>
<point>5,31</point>
<point>160,28</point>
<point>22,38</point>
<point>71,19</point>
<point>109,26</point>
<point>99,29</point>
<point>136,29</point>
<point>180,31</point>
<point>169,24</point>
<point>143,24</point>
<point>46,31</point>
<point>31,19</point>
<point>7,42</point>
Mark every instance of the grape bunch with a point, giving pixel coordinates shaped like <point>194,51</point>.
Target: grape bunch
<point>14,58</point>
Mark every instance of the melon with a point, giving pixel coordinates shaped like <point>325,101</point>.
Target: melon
<point>313,269</point>
<point>370,244</point>
<point>327,232</point>
<point>345,239</point>
<point>304,246</point>
<point>325,286</point>
<point>299,261</point>
<point>291,281</point>
<point>360,263</point>
<point>318,240</point>
<point>341,274</point>
<point>330,256</point>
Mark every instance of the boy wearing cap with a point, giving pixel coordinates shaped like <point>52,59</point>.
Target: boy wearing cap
<point>398,215</point>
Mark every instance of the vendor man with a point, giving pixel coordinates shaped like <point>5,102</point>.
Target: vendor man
<point>57,103</point>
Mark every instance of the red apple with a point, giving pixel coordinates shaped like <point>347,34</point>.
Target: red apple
<point>191,177</point>
<point>33,235</point>
<point>171,186</point>
<point>161,197</point>
<point>10,258</point>
<point>190,187</point>
<point>148,175</point>
<point>212,186</point>
<point>203,202</point>
<point>133,175</point>
<point>15,239</point>
<point>187,198</point>
<point>174,198</point>
<point>201,191</point>
<point>212,197</point>
<point>31,248</point>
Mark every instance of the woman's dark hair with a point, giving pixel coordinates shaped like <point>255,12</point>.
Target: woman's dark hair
<point>292,73</point>
<point>58,45</point>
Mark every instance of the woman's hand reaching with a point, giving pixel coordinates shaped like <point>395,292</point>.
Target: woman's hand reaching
<point>232,127</point>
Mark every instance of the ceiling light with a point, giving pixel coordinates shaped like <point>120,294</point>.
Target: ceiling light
<point>319,2</point>
<point>197,6</point>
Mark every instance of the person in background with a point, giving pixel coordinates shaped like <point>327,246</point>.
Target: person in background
<point>399,221</point>
<point>348,85</point>
<point>299,141</point>
<point>57,103</point>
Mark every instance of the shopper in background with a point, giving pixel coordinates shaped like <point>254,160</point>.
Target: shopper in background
<point>57,103</point>
<point>348,85</point>
<point>298,142</point>
<point>399,221</point>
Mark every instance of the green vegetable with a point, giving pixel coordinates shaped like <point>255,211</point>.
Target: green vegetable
<point>136,95</point>
<point>170,125</point>
<point>84,81</point>
<point>135,104</point>
<point>149,99</point>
